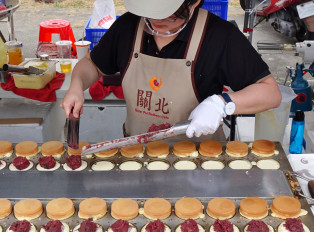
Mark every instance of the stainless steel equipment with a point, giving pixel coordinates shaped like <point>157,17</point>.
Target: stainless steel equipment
<point>143,184</point>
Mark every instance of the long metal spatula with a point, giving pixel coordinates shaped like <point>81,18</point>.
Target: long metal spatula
<point>177,129</point>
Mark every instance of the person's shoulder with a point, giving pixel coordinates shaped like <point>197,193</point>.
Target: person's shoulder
<point>217,22</point>
<point>221,28</point>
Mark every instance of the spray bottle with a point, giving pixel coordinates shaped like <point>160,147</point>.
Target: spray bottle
<point>297,130</point>
<point>302,88</point>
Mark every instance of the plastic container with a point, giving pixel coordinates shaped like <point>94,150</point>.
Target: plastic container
<point>3,53</point>
<point>219,8</point>
<point>297,132</point>
<point>94,34</point>
<point>271,124</point>
<point>35,81</point>
<point>15,52</point>
<point>64,53</point>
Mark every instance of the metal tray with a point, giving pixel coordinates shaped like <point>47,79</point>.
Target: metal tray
<point>143,184</point>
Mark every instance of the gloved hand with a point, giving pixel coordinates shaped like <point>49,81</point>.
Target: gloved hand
<point>206,117</point>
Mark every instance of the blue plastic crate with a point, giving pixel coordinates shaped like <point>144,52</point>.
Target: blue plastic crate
<point>219,8</point>
<point>94,34</point>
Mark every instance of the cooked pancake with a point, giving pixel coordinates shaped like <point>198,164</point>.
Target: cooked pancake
<point>158,149</point>
<point>286,207</point>
<point>78,151</point>
<point>54,148</point>
<point>221,208</point>
<point>253,208</point>
<point>237,149</point>
<point>124,209</point>
<point>189,208</point>
<point>60,208</point>
<point>107,154</point>
<point>157,208</point>
<point>185,149</point>
<point>27,149</point>
<point>5,208</point>
<point>92,208</point>
<point>28,209</point>
<point>136,150</point>
<point>210,148</point>
<point>263,147</point>
<point>6,149</point>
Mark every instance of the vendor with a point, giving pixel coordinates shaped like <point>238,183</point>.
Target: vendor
<point>175,58</point>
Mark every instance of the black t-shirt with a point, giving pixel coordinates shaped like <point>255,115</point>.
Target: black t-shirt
<point>226,57</point>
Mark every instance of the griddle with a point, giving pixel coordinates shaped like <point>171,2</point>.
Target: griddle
<point>143,184</point>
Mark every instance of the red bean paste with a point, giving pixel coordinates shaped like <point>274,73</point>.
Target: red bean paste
<point>88,226</point>
<point>257,226</point>
<point>154,127</point>
<point>74,161</point>
<point>120,226</point>
<point>189,225</point>
<point>223,226</point>
<point>155,226</point>
<point>21,226</point>
<point>21,162</point>
<point>294,225</point>
<point>53,226</point>
<point>47,162</point>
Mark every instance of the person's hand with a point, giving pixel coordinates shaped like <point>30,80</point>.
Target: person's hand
<point>206,117</point>
<point>73,99</point>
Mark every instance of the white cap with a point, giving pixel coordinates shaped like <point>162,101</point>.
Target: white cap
<point>155,9</point>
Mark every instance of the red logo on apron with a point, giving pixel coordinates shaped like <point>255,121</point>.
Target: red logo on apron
<point>155,84</point>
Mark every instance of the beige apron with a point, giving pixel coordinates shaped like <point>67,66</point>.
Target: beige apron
<point>158,90</point>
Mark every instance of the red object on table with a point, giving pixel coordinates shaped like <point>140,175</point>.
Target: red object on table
<point>46,94</point>
<point>98,91</point>
<point>57,26</point>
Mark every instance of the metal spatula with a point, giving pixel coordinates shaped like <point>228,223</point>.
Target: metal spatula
<point>72,131</point>
<point>20,68</point>
<point>177,129</point>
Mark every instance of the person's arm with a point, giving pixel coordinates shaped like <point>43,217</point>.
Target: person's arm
<point>84,74</point>
<point>257,97</point>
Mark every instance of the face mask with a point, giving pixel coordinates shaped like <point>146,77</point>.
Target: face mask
<point>150,30</point>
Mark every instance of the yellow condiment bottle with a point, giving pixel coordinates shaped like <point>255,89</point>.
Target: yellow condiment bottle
<point>3,53</point>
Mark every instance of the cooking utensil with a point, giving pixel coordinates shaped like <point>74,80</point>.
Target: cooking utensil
<point>20,68</point>
<point>177,129</point>
<point>310,184</point>
<point>73,128</point>
<point>298,190</point>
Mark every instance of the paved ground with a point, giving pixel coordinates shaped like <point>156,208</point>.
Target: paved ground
<point>27,19</point>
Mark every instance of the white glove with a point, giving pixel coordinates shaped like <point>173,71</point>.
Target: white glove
<point>206,117</point>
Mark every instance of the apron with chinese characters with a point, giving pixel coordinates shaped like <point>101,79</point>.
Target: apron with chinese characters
<point>158,90</point>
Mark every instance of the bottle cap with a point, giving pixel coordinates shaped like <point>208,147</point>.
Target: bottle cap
<point>44,57</point>
<point>298,116</point>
